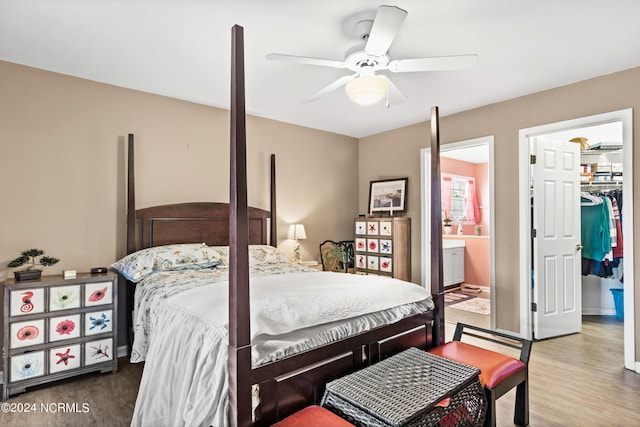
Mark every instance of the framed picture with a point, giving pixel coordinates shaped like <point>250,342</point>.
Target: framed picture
<point>388,196</point>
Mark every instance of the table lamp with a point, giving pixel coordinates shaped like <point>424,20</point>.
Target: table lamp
<point>296,232</point>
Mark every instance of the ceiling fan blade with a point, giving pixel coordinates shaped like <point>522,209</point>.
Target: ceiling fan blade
<point>394,94</point>
<point>457,62</point>
<point>333,86</point>
<point>385,27</point>
<point>306,60</point>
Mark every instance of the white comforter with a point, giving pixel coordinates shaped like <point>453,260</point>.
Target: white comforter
<point>181,326</point>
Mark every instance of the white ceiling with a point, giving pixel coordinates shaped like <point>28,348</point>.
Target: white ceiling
<point>181,49</point>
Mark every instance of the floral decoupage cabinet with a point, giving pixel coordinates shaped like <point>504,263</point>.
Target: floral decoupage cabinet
<point>383,246</point>
<point>55,328</point>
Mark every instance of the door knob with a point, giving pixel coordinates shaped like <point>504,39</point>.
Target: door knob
<point>578,247</point>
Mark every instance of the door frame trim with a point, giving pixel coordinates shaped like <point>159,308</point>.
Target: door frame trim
<point>526,321</point>
<point>425,204</point>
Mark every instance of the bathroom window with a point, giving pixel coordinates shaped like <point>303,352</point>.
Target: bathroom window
<point>458,199</point>
<point>459,190</point>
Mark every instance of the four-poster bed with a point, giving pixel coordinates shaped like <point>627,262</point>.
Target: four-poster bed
<point>231,236</point>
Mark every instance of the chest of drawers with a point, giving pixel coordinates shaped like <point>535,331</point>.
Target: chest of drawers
<point>55,328</point>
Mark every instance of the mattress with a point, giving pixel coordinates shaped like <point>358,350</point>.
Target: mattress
<point>181,329</point>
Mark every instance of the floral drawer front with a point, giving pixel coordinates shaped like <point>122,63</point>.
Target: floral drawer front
<point>64,297</point>
<point>98,351</point>
<point>27,366</point>
<point>386,264</point>
<point>64,327</point>
<point>386,246</point>
<point>64,358</point>
<point>385,228</point>
<point>24,334</point>
<point>372,228</point>
<point>97,294</point>
<point>27,301</point>
<point>98,322</point>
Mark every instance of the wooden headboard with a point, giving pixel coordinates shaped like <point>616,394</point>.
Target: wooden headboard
<point>195,223</point>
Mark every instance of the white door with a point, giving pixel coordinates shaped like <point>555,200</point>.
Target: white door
<point>557,292</point>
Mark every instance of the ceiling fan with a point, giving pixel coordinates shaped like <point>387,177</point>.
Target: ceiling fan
<point>365,87</point>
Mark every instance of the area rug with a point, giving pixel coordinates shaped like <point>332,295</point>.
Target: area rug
<point>455,298</point>
<point>474,305</point>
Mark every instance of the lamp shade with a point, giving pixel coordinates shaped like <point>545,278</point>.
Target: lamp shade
<point>296,232</point>
<point>366,90</point>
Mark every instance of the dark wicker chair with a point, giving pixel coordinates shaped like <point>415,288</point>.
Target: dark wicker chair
<point>335,255</point>
<point>499,373</point>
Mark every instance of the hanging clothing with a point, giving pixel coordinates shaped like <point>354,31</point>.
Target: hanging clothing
<point>612,227</point>
<point>618,251</point>
<point>601,235</point>
<point>595,231</point>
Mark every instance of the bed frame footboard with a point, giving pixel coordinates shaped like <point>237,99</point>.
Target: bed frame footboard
<point>290,384</point>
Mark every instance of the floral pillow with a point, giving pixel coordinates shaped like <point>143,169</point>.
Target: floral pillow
<point>138,265</point>
<point>265,254</point>
<point>258,254</point>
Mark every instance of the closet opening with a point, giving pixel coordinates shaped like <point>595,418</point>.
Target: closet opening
<point>577,178</point>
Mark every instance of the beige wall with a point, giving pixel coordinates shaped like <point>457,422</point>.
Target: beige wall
<point>62,166</point>
<point>503,120</point>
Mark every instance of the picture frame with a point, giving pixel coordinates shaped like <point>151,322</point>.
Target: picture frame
<point>388,196</point>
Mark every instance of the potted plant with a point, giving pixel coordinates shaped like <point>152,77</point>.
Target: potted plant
<point>29,257</point>
<point>447,226</point>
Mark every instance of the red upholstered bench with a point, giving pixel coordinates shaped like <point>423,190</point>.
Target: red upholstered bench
<point>499,373</point>
<point>313,416</point>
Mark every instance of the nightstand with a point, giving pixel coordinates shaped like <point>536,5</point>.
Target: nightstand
<point>311,264</point>
<point>56,328</point>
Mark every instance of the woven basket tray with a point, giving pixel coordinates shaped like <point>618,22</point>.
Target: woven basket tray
<point>409,389</point>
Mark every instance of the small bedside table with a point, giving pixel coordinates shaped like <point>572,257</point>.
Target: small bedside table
<point>311,264</point>
<point>57,328</point>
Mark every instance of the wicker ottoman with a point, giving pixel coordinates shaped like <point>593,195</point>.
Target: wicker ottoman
<point>412,388</point>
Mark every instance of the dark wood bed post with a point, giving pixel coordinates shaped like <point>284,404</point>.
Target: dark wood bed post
<point>437,288</point>
<point>273,233</point>
<point>131,198</point>
<point>239,359</point>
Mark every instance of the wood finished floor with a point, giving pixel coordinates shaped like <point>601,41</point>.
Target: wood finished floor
<point>576,380</point>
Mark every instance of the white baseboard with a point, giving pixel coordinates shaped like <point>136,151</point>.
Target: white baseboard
<point>598,311</point>
<point>122,351</point>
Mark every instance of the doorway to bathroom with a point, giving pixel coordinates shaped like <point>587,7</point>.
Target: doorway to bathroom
<point>467,211</point>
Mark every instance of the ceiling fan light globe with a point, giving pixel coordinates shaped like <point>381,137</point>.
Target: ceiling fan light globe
<point>366,90</point>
